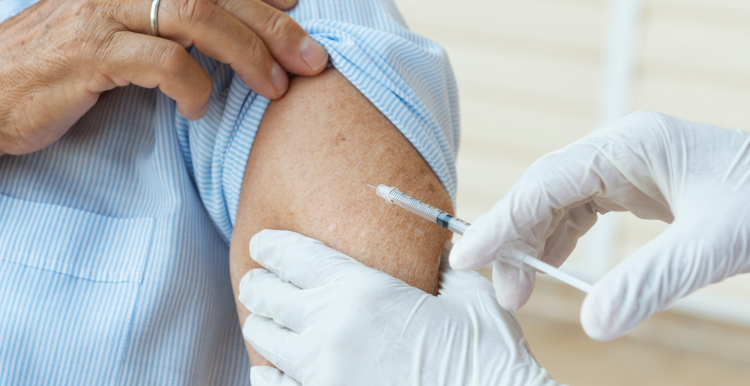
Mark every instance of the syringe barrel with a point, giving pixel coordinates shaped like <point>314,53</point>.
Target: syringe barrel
<point>444,219</point>
<point>517,253</point>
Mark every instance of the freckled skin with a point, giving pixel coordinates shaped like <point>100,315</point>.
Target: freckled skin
<point>315,150</point>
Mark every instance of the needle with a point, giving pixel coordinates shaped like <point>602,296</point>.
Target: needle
<point>456,225</point>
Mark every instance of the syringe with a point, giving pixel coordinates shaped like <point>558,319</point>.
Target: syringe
<point>456,225</point>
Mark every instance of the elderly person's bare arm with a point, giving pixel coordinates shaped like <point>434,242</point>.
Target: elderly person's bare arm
<point>58,56</point>
<point>315,150</point>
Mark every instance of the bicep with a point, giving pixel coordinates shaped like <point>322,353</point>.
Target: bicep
<point>315,150</point>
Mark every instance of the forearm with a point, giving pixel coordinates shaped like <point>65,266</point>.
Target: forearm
<point>314,152</point>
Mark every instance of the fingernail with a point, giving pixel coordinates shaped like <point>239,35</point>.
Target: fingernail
<point>279,78</point>
<point>313,53</point>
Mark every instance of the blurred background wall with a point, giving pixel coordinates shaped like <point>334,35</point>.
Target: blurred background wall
<point>535,75</point>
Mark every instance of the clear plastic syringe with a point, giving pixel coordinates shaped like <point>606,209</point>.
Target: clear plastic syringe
<point>456,225</point>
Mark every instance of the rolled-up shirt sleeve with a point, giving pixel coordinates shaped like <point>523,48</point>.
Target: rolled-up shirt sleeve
<point>10,8</point>
<point>406,76</point>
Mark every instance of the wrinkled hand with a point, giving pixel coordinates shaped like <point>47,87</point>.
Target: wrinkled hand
<point>58,56</point>
<point>694,176</point>
<point>325,319</point>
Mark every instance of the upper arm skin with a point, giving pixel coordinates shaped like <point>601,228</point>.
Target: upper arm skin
<point>315,150</point>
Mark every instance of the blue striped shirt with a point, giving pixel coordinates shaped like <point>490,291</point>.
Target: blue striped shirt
<point>114,240</point>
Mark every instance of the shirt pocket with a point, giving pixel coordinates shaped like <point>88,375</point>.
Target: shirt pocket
<point>69,280</point>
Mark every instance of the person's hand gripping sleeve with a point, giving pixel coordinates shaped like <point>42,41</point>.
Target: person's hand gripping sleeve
<point>692,175</point>
<point>325,319</point>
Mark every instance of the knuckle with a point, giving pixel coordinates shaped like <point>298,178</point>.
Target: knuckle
<point>645,114</point>
<point>645,120</point>
<point>88,38</point>
<point>340,340</point>
<point>195,11</point>
<point>103,48</point>
<point>103,60</point>
<point>534,176</point>
<point>170,58</point>
<point>255,51</point>
<point>84,10</point>
<point>279,25</point>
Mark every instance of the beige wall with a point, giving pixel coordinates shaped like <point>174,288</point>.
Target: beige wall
<point>529,75</point>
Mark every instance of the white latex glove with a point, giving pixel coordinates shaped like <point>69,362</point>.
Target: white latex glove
<point>325,319</point>
<point>270,376</point>
<point>692,175</point>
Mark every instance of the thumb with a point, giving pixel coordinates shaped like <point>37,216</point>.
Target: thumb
<point>684,258</point>
<point>513,285</point>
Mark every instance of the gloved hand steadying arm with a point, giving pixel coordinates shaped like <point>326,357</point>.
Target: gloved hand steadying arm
<point>692,175</point>
<point>325,319</point>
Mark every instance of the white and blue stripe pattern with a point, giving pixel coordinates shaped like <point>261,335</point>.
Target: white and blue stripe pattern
<point>114,240</point>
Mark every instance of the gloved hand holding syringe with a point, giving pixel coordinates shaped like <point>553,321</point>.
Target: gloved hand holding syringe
<point>456,225</point>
